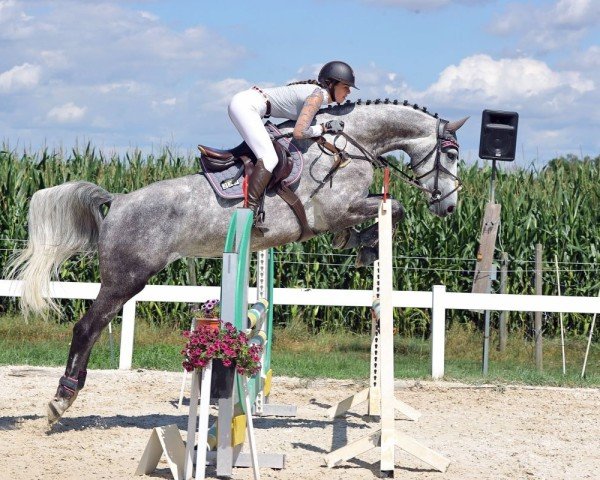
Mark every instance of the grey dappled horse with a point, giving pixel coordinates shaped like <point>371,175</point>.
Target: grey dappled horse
<point>149,228</point>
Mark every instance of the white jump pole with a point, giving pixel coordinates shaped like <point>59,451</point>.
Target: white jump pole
<point>127,332</point>
<point>191,429</point>
<point>438,331</point>
<point>386,437</point>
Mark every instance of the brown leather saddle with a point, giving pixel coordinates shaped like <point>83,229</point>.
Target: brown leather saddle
<point>215,160</point>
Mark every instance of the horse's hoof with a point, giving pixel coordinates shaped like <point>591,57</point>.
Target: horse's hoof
<point>57,407</point>
<point>347,238</point>
<point>366,256</point>
<point>340,238</point>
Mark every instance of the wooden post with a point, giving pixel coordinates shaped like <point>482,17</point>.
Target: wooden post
<point>503,328</point>
<point>537,327</point>
<point>562,330</point>
<point>487,244</point>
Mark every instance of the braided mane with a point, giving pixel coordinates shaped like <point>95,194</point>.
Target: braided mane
<point>342,108</point>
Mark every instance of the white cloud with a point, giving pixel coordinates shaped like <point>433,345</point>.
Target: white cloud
<point>168,102</point>
<point>218,94</point>
<point>114,59</point>
<point>120,75</point>
<point>126,86</point>
<point>67,113</point>
<point>149,16</point>
<point>588,59</point>
<point>55,59</point>
<point>424,5</point>
<point>575,13</point>
<point>543,28</point>
<point>481,79</point>
<point>21,77</point>
<point>412,4</point>
<point>106,41</point>
<point>555,117</point>
<point>15,24</point>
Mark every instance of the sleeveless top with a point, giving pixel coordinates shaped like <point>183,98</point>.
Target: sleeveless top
<point>287,101</point>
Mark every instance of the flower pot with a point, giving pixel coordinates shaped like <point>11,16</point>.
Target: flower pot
<point>212,323</point>
<point>221,384</point>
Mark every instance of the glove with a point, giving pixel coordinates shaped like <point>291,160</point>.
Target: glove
<point>333,126</point>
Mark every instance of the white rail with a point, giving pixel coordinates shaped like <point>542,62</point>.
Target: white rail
<point>439,300</point>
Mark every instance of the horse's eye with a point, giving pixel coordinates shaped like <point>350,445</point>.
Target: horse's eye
<point>452,156</point>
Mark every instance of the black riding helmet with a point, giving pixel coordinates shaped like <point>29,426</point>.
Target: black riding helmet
<point>336,71</point>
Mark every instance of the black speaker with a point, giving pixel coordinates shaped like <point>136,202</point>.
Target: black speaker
<point>498,139</point>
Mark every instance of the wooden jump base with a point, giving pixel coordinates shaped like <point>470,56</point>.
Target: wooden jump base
<point>380,393</point>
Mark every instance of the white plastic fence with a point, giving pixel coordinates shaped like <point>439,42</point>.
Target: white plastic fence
<point>438,300</point>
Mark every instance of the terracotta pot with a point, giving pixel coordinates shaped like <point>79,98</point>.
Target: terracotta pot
<point>213,323</point>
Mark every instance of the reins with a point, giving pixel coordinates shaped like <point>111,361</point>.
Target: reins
<point>444,141</point>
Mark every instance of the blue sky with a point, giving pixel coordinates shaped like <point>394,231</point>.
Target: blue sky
<point>152,73</point>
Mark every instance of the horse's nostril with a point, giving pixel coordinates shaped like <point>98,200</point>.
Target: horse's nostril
<point>450,209</point>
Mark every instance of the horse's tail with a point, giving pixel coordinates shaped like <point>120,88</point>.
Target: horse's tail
<point>63,220</point>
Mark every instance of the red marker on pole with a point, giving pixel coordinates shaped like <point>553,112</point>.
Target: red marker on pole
<point>245,190</point>
<point>386,183</point>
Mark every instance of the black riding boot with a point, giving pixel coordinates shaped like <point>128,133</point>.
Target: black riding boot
<point>256,186</point>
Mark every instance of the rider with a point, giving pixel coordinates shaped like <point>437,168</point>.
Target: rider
<point>298,101</point>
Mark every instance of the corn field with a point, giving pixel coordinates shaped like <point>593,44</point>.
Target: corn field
<point>557,206</point>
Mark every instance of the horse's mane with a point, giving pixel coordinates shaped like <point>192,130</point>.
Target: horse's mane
<point>344,108</point>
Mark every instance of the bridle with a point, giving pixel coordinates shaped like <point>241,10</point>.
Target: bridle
<point>445,141</point>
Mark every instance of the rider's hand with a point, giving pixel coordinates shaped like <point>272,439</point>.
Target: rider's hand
<point>333,126</point>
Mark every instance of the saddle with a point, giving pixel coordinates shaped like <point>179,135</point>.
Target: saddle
<point>224,170</point>
<point>216,160</point>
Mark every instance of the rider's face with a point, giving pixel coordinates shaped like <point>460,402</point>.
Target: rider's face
<point>340,92</point>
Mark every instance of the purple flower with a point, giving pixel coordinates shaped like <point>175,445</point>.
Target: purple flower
<point>226,343</point>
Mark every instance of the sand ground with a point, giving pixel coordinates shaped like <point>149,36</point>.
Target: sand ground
<point>487,432</point>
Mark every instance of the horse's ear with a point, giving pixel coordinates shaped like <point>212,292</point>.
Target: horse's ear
<point>454,126</point>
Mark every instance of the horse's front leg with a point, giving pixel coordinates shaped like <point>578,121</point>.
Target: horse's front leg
<point>367,239</point>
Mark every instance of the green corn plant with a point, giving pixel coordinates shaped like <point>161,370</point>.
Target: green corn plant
<point>556,206</point>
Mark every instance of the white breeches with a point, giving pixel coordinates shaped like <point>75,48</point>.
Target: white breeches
<point>246,111</point>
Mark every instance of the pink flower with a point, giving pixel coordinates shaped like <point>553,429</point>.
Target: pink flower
<point>227,343</point>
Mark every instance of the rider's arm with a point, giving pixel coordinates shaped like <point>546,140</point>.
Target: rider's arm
<point>312,104</point>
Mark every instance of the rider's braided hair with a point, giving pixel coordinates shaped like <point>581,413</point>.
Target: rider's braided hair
<point>311,82</point>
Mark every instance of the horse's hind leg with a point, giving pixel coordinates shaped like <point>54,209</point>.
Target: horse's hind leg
<point>86,332</point>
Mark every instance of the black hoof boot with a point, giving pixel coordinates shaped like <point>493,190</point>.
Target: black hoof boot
<point>366,256</point>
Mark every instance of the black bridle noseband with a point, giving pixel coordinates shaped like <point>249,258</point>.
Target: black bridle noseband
<point>445,140</point>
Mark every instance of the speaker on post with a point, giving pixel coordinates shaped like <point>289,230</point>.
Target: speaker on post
<point>498,139</point>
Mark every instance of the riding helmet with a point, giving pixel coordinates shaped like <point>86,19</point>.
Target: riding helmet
<point>336,71</point>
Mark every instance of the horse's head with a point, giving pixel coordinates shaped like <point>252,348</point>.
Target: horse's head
<point>435,168</point>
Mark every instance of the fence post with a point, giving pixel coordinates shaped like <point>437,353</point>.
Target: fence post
<point>438,331</point>
<point>537,328</point>
<point>193,280</point>
<point>503,328</point>
<point>127,330</point>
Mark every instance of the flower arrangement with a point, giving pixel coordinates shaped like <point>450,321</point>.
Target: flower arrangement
<point>227,343</point>
<point>210,309</point>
